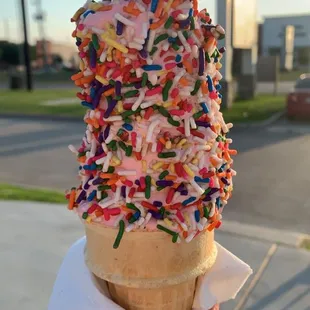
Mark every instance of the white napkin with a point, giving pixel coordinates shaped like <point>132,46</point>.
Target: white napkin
<point>75,290</point>
<point>223,282</point>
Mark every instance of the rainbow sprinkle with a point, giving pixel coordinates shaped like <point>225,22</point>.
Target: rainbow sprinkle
<point>155,155</point>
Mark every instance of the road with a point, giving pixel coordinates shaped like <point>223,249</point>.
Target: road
<point>271,188</point>
<point>262,88</point>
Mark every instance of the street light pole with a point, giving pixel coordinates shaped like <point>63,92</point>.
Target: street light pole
<point>26,49</point>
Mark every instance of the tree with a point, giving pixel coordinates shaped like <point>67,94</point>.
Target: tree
<point>57,59</point>
<point>33,52</point>
<point>9,53</point>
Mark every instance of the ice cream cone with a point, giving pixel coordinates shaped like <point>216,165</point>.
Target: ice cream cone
<point>148,271</point>
<point>172,297</point>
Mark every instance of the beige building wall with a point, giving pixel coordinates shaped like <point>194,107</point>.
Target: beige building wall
<point>68,52</point>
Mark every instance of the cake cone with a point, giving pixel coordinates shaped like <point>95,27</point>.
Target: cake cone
<point>148,271</point>
<point>172,297</point>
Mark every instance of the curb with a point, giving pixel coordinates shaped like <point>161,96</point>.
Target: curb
<point>59,118</point>
<point>272,119</point>
<point>281,237</point>
<point>54,118</point>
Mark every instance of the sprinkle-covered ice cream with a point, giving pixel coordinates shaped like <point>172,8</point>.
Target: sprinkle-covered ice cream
<point>155,155</point>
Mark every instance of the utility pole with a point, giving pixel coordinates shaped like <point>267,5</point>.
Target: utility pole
<point>26,49</point>
<point>40,20</point>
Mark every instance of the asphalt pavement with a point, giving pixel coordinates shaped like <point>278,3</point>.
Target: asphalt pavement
<point>271,188</point>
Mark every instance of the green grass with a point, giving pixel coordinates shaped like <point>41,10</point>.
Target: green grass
<point>306,244</point>
<point>63,76</point>
<point>258,109</point>
<point>23,102</point>
<point>10,192</point>
<point>291,76</point>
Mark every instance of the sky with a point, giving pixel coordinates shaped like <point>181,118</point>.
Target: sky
<point>58,27</point>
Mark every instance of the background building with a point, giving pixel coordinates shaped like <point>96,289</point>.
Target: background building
<point>56,53</point>
<point>273,32</point>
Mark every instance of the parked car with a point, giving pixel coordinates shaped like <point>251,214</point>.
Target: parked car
<point>298,100</point>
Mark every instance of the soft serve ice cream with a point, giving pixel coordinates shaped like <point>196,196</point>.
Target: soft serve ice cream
<point>155,155</point>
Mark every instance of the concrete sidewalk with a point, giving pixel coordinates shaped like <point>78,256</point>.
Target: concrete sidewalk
<point>35,238</point>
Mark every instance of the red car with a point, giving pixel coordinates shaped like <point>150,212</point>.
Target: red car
<point>298,101</point>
